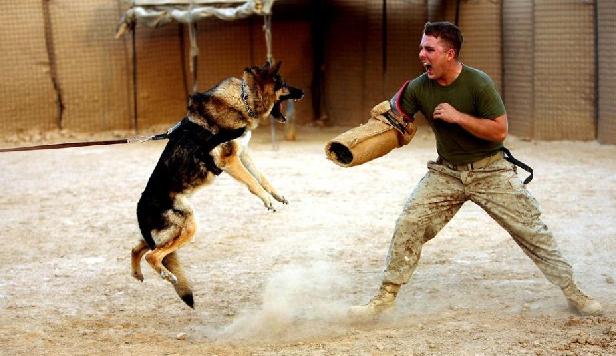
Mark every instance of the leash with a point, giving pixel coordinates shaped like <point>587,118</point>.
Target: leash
<point>136,139</point>
<point>63,145</point>
<point>509,157</point>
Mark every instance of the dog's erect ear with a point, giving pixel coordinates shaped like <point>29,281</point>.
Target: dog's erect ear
<point>266,66</point>
<point>275,68</point>
<point>250,70</point>
<point>269,69</point>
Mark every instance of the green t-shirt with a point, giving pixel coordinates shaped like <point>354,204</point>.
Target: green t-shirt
<point>473,93</point>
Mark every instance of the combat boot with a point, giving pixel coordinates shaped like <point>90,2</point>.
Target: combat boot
<point>579,301</point>
<point>383,300</point>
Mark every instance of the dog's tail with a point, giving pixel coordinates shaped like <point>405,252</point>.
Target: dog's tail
<point>182,287</point>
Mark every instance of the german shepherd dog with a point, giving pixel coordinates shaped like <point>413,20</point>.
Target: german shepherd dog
<point>212,138</point>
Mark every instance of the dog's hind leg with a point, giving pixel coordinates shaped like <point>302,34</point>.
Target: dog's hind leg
<point>174,237</point>
<point>135,259</point>
<point>250,166</point>
<point>182,287</point>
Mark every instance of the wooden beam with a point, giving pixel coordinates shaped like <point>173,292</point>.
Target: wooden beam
<point>184,2</point>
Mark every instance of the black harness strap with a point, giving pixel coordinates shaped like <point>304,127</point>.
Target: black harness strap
<point>204,140</point>
<point>395,123</point>
<point>187,128</point>
<point>509,157</point>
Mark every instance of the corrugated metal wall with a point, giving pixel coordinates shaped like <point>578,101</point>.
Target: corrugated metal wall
<point>606,25</point>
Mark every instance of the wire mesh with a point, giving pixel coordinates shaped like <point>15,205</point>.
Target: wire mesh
<point>606,26</point>
<point>540,54</point>
<point>26,91</point>
<point>564,60</point>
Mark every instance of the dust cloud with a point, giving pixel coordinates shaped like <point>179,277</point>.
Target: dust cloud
<point>298,302</point>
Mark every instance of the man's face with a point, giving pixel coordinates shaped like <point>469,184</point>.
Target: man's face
<point>435,56</point>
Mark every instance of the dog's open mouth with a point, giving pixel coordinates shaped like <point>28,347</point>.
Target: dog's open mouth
<point>277,112</point>
<point>294,94</point>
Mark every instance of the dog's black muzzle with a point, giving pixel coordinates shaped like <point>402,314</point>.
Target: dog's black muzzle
<point>294,94</point>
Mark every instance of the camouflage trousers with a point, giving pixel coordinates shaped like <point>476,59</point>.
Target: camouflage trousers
<point>497,190</point>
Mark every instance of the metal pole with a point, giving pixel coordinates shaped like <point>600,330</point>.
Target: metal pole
<point>194,49</point>
<point>267,28</point>
<point>194,55</point>
<point>134,50</point>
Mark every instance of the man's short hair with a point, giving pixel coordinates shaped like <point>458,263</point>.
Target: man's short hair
<point>446,31</point>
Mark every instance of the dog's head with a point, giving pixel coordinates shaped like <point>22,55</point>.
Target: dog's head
<point>269,82</point>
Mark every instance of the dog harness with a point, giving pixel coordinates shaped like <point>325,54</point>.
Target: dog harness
<point>203,140</point>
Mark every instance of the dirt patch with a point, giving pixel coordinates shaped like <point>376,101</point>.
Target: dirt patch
<point>280,283</point>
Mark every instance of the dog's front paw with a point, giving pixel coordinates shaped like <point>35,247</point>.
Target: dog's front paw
<point>268,204</point>
<point>280,198</point>
<point>270,207</point>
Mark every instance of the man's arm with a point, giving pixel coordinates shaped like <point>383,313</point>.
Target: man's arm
<point>488,129</point>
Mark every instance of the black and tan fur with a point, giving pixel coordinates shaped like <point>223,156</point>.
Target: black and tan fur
<point>212,138</point>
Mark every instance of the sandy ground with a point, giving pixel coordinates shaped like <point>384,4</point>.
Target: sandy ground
<point>280,283</point>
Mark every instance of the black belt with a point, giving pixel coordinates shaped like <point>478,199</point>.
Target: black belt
<point>509,157</point>
<point>480,163</point>
<point>484,162</point>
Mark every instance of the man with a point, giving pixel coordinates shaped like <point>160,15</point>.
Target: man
<point>469,121</point>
